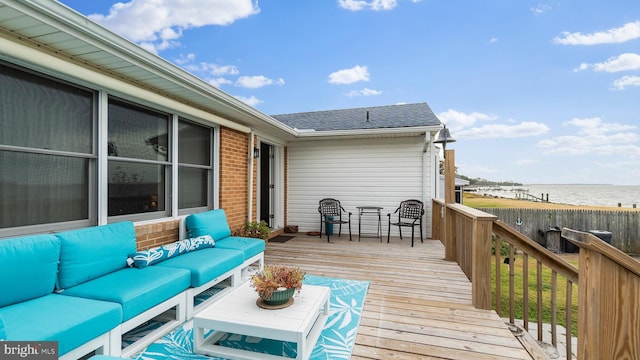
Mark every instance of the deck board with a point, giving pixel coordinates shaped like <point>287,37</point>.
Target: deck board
<point>418,305</point>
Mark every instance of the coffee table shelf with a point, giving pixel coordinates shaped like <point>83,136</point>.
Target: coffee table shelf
<point>237,313</point>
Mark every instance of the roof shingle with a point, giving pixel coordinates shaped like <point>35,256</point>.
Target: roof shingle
<point>376,117</point>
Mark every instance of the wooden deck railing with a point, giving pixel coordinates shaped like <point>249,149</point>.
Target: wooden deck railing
<point>608,281</point>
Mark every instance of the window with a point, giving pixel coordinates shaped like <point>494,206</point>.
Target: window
<point>49,173</point>
<point>47,152</point>
<point>195,169</point>
<point>139,166</point>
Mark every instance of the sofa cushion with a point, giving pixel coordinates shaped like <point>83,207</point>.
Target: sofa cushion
<point>3,333</point>
<point>29,266</point>
<point>70,321</point>
<point>205,265</point>
<point>249,246</point>
<point>91,252</point>
<point>135,289</point>
<point>158,254</point>
<point>212,222</point>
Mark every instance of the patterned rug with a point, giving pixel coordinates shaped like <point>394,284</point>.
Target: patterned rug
<point>336,340</point>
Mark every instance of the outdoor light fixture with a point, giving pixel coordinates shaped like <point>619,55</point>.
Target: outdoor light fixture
<point>256,152</point>
<point>443,136</point>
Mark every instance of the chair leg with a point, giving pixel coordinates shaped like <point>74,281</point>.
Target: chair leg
<point>412,232</point>
<point>421,237</point>
<point>400,231</point>
<point>321,227</point>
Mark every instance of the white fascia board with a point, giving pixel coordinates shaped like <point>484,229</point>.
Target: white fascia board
<point>341,134</point>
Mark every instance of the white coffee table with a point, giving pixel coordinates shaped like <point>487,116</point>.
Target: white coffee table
<point>238,313</point>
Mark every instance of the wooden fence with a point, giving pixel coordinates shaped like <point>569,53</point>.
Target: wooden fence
<point>533,223</point>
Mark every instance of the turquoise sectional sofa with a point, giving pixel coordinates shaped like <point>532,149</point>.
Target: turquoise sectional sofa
<point>85,288</point>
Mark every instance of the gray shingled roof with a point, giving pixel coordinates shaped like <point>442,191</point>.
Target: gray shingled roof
<point>380,117</point>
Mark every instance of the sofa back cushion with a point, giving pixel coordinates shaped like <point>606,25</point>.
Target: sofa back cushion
<point>212,223</point>
<point>29,266</point>
<point>91,252</point>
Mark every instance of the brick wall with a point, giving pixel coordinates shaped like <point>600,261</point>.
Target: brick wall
<point>152,235</point>
<point>234,176</point>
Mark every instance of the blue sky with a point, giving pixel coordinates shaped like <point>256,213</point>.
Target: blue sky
<point>534,92</point>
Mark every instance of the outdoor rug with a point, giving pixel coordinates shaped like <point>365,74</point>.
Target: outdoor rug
<point>281,238</point>
<point>336,340</point>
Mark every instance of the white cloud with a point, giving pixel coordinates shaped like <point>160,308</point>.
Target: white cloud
<point>595,126</point>
<point>493,40</point>
<point>364,92</point>
<point>464,126</point>
<point>622,62</point>
<point>495,131</point>
<point>540,9</point>
<point>158,24</point>
<point>211,69</point>
<point>357,5</point>
<point>218,82</point>
<point>350,76</point>
<point>626,81</point>
<point>594,136</point>
<point>627,32</point>
<point>185,59</point>
<point>457,120</point>
<point>253,101</point>
<point>257,81</point>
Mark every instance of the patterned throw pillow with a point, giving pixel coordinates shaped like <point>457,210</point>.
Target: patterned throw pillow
<point>155,255</point>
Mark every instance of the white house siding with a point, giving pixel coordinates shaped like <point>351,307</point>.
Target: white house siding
<point>374,172</point>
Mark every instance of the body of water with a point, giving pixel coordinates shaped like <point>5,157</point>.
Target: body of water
<point>574,194</point>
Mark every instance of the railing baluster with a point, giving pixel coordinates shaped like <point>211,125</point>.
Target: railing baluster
<point>568,318</point>
<point>512,297</point>
<point>554,322</point>
<point>525,290</point>
<point>539,275</point>
<point>497,256</point>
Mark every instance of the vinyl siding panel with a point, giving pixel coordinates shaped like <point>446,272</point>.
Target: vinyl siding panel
<point>372,172</point>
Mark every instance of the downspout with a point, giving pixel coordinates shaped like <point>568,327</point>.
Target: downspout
<point>250,177</point>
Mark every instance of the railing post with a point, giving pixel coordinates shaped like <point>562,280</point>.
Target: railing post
<point>481,261</point>
<point>609,298</point>
<point>450,246</point>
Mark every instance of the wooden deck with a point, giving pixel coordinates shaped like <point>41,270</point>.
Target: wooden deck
<point>418,306</point>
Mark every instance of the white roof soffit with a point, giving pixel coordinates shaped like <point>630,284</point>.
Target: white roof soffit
<point>53,26</point>
<point>310,134</point>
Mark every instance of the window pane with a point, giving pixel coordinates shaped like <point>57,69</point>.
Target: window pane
<point>194,144</point>
<point>136,188</point>
<point>42,189</point>
<point>135,132</point>
<point>40,113</point>
<point>192,189</point>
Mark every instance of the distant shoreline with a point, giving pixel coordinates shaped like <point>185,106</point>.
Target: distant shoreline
<point>475,200</point>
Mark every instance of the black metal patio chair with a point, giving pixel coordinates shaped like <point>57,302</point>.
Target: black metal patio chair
<point>331,213</point>
<point>410,213</point>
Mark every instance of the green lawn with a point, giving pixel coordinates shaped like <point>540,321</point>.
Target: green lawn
<point>561,288</point>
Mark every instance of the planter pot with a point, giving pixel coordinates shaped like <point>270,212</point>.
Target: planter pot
<point>279,297</point>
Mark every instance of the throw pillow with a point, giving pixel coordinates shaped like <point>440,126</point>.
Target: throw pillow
<point>152,256</point>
